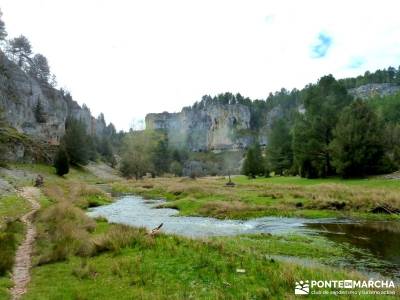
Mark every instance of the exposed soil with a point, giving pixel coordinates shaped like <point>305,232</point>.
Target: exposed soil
<point>22,266</point>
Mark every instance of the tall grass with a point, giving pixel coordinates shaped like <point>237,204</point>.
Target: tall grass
<point>8,244</point>
<point>64,230</point>
<point>122,236</point>
<point>252,198</point>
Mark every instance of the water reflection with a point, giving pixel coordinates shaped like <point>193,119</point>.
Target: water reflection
<point>377,243</point>
<point>379,240</point>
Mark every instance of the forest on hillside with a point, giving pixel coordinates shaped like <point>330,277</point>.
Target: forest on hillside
<point>321,130</point>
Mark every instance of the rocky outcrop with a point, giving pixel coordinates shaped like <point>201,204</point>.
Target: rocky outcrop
<point>374,89</point>
<point>220,126</point>
<point>19,98</point>
<point>214,127</point>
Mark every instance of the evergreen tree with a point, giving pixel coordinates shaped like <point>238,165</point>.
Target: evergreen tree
<point>323,102</point>
<point>279,151</point>
<point>20,48</point>
<point>161,156</point>
<point>105,149</point>
<point>77,142</point>
<point>3,32</point>
<point>358,145</point>
<point>39,68</point>
<point>3,148</point>
<point>254,164</point>
<point>39,113</point>
<point>61,161</point>
<point>391,136</point>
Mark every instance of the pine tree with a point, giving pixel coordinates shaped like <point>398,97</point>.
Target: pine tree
<point>358,147</point>
<point>77,142</point>
<point>279,151</point>
<point>313,131</point>
<point>3,32</point>
<point>254,164</point>
<point>3,147</point>
<point>61,162</point>
<point>39,113</point>
<point>161,156</point>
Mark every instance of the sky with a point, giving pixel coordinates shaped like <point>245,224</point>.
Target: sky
<point>129,58</point>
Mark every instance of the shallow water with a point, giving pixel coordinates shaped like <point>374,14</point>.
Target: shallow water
<point>375,241</point>
<point>135,211</point>
<point>378,243</point>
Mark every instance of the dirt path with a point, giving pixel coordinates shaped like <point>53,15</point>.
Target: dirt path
<point>21,276</point>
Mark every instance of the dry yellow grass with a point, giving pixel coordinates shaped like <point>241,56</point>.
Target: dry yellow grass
<point>211,197</point>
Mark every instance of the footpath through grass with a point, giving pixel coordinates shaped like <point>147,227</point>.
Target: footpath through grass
<point>12,207</point>
<point>137,266</point>
<point>76,257</point>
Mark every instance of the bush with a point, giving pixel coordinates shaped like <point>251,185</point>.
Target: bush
<point>65,232</point>
<point>121,236</point>
<point>176,168</point>
<point>8,246</point>
<point>61,162</point>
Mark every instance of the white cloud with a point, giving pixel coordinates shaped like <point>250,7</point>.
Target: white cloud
<point>128,58</point>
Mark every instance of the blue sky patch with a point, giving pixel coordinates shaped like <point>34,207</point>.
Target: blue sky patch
<point>321,47</point>
<point>356,62</point>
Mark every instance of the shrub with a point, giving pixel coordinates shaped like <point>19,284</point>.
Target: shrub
<point>7,251</point>
<point>8,246</point>
<point>121,236</point>
<point>65,231</point>
<point>61,162</point>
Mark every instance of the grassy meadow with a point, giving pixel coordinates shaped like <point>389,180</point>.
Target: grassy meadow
<point>275,196</point>
<point>76,257</point>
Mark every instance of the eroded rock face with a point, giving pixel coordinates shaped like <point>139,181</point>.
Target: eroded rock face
<point>374,89</point>
<point>20,94</point>
<point>219,127</point>
<point>215,127</point>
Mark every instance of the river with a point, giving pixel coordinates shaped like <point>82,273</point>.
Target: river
<point>376,245</point>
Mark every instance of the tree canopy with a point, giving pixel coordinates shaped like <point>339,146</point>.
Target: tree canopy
<point>357,148</point>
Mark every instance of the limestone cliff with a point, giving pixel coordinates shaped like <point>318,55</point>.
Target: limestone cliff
<point>19,97</point>
<point>20,94</point>
<point>229,122</point>
<point>374,89</point>
<point>212,127</point>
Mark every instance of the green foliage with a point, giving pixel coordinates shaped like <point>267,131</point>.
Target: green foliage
<point>389,75</point>
<point>391,139</point>
<point>254,164</point>
<point>39,68</point>
<point>21,50</point>
<point>8,245</point>
<point>176,168</point>
<point>357,147</point>
<point>3,146</point>
<point>3,32</point>
<point>39,113</point>
<point>313,132</point>
<point>138,153</point>
<point>279,150</point>
<point>61,162</point>
<point>78,143</point>
<point>285,100</point>
<point>161,156</point>
<point>388,108</point>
